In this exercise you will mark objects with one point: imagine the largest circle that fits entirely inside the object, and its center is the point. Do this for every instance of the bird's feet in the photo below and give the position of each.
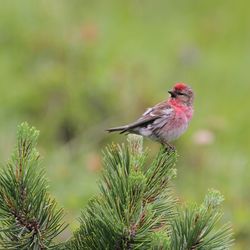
(168, 148)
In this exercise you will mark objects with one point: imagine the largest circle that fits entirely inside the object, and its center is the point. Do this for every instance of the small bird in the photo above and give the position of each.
(167, 120)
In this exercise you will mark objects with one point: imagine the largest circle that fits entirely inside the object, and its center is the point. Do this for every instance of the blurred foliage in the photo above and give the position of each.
(74, 68)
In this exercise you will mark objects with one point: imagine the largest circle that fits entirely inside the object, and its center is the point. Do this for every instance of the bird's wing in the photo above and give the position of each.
(156, 115)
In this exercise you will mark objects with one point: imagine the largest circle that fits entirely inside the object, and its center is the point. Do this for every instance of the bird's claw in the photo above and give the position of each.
(168, 148)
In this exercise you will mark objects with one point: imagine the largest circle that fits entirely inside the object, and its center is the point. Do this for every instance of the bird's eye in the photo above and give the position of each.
(181, 93)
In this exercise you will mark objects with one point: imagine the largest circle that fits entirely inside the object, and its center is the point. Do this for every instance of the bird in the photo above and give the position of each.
(167, 120)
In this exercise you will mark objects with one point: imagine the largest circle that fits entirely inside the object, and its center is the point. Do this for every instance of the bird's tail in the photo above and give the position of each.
(122, 129)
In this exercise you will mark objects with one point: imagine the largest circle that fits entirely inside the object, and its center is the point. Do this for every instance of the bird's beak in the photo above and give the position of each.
(172, 93)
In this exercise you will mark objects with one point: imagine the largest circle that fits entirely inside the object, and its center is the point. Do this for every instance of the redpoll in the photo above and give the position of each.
(167, 120)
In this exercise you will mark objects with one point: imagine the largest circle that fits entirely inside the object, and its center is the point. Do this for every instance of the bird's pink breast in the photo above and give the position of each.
(176, 128)
(178, 124)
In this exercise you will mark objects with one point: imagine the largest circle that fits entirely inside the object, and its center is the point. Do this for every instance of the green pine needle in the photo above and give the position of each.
(29, 216)
(135, 209)
(135, 201)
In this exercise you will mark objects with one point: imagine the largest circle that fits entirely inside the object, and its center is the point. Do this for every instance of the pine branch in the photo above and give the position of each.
(29, 218)
(194, 227)
(134, 210)
(135, 205)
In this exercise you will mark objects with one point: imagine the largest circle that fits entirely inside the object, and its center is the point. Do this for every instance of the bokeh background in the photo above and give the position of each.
(74, 68)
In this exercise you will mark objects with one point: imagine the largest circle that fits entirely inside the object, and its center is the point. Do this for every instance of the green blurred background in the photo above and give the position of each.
(74, 68)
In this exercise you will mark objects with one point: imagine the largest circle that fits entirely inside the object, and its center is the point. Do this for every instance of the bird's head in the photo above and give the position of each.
(182, 93)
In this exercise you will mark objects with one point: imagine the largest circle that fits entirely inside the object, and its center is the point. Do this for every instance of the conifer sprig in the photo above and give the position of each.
(196, 227)
(135, 209)
(135, 203)
(29, 216)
